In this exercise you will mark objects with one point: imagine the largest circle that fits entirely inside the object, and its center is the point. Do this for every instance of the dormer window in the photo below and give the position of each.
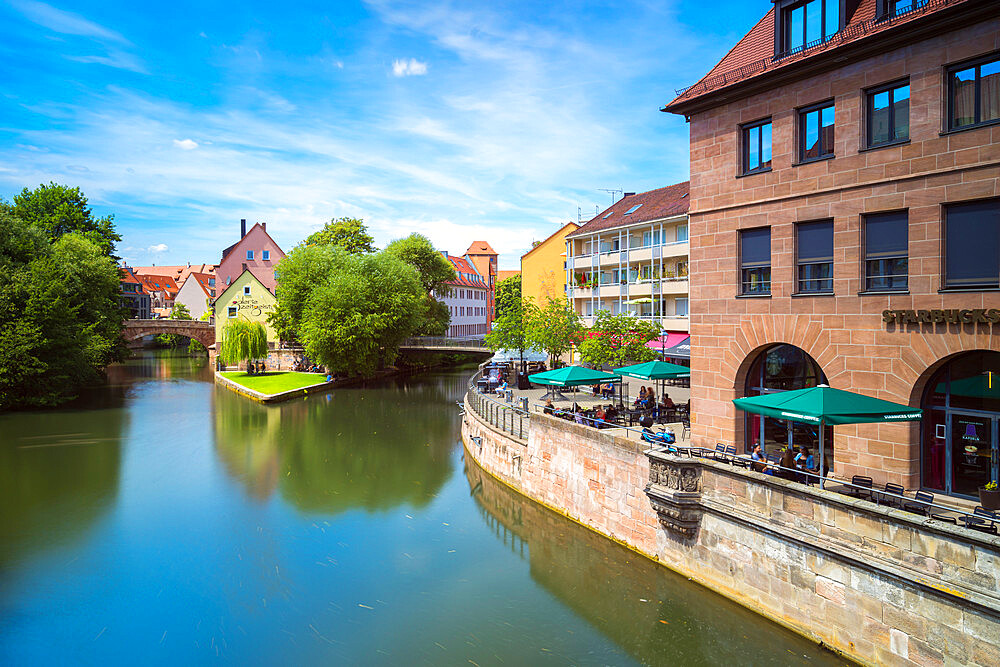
(889, 8)
(805, 23)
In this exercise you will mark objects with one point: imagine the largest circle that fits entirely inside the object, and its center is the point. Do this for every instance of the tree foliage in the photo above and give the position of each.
(243, 340)
(60, 315)
(553, 328)
(58, 210)
(349, 234)
(508, 295)
(180, 312)
(510, 331)
(617, 340)
(435, 272)
(356, 316)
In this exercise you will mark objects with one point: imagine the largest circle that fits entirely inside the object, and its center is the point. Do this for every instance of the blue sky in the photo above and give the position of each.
(460, 120)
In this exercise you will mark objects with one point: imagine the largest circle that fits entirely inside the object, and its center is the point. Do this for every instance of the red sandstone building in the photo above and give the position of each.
(845, 228)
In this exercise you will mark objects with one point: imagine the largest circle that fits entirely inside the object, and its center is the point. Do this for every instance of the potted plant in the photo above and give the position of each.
(989, 496)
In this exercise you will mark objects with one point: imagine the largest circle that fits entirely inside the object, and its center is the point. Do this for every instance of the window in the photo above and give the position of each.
(211, 282)
(682, 233)
(755, 261)
(229, 279)
(246, 290)
(757, 147)
(265, 255)
(232, 311)
(651, 238)
(889, 114)
(249, 254)
(889, 8)
(816, 132)
(815, 252)
(806, 23)
(974, 93)
(886, 252)
(681, 307)
(972, 245)
(632, 210)
(211, 292)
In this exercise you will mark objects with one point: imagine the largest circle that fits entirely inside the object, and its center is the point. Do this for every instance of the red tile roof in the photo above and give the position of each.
(154, 283)
(480, 248)
(202, 280)
(130, 277)
(653, 205)
(504, 275)
(753, 56)
(464, 266)
(178, 273)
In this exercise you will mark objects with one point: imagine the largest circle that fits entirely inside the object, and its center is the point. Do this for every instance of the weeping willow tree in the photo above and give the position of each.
(243, 340)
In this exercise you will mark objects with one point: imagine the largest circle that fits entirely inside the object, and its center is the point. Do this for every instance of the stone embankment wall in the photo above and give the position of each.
(880, 585)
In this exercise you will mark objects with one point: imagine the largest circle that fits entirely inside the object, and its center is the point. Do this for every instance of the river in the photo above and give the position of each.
(164, 520)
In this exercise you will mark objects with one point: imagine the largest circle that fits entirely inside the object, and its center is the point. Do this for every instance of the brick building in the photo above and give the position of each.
(484, 258)
(845, 228)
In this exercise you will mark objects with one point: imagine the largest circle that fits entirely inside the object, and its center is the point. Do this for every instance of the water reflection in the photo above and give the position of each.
(653, 614)
(371, 448)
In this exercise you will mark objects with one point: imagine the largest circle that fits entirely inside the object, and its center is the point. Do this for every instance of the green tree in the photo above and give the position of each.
(435, 273)
(60, 316)
(356, 316)
(301, 271)
(510, 331)
(243, 340)
(58, 210)
(508, 294)
(617, 340)
(351, 234)
(180, 312)
(553, 328)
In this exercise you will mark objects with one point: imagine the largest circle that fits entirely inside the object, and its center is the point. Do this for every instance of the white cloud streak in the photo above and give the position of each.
(411, 67)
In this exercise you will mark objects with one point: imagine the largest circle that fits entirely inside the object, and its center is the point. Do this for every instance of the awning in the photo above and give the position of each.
(667, 340)
(681, 350)
(572, 376)
(653, 370)
(827, 405)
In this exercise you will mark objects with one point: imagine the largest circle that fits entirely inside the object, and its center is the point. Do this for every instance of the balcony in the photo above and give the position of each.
(679, 285)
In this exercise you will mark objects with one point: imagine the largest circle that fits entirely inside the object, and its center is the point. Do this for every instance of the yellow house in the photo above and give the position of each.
(246, 298)
(543, 273)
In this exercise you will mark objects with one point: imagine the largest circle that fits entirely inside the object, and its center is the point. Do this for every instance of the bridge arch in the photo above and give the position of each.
(203, 332)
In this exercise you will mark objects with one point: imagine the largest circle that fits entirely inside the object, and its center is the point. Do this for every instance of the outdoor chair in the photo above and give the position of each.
(884, 499)
(720, 453)
(922, 504)
(732, 458)
(982, 520)
(862, 481)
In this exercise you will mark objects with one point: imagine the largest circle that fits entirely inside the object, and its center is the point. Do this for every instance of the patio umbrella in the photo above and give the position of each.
(572, 376)
(653, 370)
(824, 405)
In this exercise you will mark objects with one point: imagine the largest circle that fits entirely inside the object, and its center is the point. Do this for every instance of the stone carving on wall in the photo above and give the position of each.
(674, 491)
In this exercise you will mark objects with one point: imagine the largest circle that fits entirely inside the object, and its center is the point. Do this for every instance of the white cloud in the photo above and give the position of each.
(64, 22)
(186, 144)
(158, 248)
(411, 67)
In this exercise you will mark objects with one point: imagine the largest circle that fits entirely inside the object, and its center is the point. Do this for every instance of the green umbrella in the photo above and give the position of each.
(824, 405)
(571, 376)
(653, 370)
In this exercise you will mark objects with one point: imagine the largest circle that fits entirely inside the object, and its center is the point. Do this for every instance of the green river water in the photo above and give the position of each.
(164, 520)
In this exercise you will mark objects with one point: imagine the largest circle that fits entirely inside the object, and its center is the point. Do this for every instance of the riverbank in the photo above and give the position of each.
(875, 584)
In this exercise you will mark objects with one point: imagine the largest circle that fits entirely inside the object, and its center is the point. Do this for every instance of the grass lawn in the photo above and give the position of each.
(274, 382)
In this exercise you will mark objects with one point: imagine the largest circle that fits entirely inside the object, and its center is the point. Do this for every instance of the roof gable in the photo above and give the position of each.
(480, 248)
(242, 241)
(552, 236)
(645, 207)
(232, 285)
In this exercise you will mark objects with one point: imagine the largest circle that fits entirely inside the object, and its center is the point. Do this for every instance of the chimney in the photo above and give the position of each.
(243, 227)
(263, 226)
(629, 194)
(244, 266)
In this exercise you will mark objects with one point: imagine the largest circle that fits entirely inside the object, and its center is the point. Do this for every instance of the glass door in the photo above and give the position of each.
(973, 451)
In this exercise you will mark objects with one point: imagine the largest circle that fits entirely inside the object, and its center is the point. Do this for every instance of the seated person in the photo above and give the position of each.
(787, 462)
(804, 460)
(666, 401)
(549, 408)
(650, 401)
(610, 414)
(608, 390)
(502, 389)
(758, 462)
(641, 398)
(595, 390)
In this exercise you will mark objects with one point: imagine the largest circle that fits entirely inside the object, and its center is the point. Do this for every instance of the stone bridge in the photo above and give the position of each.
(203, 332)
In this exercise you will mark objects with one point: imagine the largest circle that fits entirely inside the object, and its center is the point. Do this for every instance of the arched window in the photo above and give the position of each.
(958, 449)
(783, 368)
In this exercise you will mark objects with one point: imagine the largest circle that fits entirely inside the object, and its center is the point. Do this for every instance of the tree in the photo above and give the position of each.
(508, 294)
(553, 328)
(243, 340)
(617, 340)
(435, 273)
(510, 332)
(301, 271)
(351, 234)
(357, 315)
(180, 312)
(58, 210)
(60, 315)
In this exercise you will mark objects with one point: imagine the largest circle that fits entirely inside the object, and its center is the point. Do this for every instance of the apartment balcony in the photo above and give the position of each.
(676, 249)
(677, 286)
(614, 258)
(612, 290)
(583, 262)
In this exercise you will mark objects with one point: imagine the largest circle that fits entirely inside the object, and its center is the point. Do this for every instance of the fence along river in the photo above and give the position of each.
(165, 519)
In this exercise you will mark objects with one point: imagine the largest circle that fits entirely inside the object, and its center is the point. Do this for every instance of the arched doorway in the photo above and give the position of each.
(783, 368)
(959, 440)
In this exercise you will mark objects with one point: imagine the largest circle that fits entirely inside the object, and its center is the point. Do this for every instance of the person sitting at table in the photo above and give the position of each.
(610, 414)
(650, 401)
(758, 462)
(502, 389)
(805, 460)
(642, 397)
(549, 408)
(607, 390)
(596, 389)
(787, 464)
(666, 401)
(601, 414)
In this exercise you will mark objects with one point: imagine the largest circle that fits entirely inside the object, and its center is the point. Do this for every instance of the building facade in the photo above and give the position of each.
(133, 297)
(633, 258)
(256, 252)
(246, 298)
(197, 294)
(543, 268)
(845, 229)
(484, 258)
(162, 291)
(467, 302)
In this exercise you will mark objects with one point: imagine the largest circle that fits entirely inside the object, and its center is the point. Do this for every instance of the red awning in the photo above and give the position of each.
(668, 341)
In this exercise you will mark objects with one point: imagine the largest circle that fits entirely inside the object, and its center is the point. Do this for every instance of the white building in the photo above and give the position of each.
(467, 303)
(633, 257)
(197, 293)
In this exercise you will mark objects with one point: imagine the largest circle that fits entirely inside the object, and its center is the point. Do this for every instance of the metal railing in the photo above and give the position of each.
(501, 415)
(444, 341)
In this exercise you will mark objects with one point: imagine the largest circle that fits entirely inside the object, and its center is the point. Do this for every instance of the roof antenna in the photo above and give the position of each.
(612, 193)
(579, 215)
